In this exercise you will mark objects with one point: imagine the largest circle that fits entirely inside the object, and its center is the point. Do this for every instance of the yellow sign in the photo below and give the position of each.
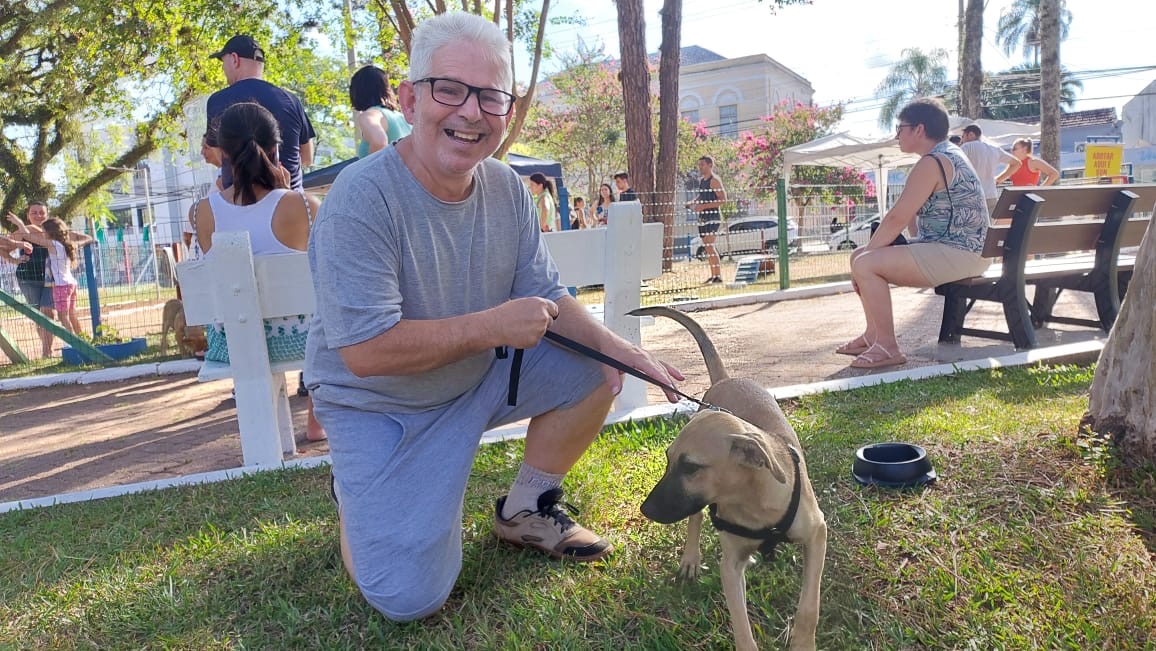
(1103, 160)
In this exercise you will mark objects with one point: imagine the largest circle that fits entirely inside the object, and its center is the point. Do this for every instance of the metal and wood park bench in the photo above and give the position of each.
(1055, 238)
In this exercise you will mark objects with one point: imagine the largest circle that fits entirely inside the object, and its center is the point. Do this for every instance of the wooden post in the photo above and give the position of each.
(623, 279)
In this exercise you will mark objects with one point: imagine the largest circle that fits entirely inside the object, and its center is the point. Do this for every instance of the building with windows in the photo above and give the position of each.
(730, 95)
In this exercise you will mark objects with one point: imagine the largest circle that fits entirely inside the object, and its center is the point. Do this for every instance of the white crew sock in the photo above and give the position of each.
(530, 483)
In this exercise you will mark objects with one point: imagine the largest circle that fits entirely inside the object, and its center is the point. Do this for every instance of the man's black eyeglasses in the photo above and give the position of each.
(452, 92)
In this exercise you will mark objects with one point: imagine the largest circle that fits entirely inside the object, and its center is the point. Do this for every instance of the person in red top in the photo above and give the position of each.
(1033, 171)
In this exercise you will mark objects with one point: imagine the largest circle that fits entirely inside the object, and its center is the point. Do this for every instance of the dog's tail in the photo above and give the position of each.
(714, 364)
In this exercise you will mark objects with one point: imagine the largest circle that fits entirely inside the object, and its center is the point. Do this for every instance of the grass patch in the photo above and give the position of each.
(1030, 539)
(44, 366)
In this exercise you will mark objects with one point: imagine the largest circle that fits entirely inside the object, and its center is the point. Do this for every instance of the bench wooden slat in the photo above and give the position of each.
(1073, 200)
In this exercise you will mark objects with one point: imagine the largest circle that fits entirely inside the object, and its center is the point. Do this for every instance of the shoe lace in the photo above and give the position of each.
(550, 505)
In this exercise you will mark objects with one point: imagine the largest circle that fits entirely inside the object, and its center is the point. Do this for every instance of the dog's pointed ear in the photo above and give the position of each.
(749, 451)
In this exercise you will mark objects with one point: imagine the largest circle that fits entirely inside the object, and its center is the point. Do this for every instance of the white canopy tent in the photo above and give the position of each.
(846, 150)
(882, 154)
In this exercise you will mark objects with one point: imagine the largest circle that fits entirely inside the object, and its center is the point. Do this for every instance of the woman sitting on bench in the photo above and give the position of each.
(277, 219)
(943, 202)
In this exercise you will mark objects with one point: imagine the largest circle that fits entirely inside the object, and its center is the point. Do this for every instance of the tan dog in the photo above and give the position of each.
(190, 339)
(747, 465)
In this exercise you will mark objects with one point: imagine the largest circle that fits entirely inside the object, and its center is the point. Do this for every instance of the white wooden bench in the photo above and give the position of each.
(238, 290)
(233, 288)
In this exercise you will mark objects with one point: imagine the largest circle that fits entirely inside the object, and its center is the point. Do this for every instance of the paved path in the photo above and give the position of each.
(76, 437)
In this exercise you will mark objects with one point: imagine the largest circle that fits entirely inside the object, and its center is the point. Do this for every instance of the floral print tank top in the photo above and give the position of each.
(956, 216)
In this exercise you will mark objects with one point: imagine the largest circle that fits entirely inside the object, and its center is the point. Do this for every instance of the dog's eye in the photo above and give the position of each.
(689, 467)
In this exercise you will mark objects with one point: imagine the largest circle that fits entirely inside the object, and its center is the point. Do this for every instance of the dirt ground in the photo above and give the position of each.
(76, 437)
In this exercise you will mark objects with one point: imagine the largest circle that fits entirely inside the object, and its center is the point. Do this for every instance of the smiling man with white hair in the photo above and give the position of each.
(427, 257)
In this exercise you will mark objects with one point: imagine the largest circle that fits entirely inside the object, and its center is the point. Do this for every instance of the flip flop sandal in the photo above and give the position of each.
(853, 350)
(869, 360)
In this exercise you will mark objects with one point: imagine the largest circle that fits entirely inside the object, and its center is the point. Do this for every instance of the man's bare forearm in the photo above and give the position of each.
(416, 346)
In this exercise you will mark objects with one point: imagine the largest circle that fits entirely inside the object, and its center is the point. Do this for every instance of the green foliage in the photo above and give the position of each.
(132, 61)
(322, 84)
(1019, 27)
(106, 334)
(916, 74)
(1022, 544)
(578, 122)
(759, 157)
(1015, 93)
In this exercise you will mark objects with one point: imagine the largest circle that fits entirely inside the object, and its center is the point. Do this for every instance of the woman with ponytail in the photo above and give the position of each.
(542, 189)
(277, 219)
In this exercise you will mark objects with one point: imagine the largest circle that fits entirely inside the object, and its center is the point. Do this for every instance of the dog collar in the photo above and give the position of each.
(774, 534)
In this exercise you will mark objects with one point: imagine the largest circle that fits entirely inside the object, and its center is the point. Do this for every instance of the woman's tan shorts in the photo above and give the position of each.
(943, 264)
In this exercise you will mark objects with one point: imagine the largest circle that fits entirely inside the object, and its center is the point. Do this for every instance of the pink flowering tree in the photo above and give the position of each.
(759, 155)
(577, 121)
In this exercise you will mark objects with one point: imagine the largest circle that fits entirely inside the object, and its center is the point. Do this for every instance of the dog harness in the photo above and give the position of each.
(774, 534)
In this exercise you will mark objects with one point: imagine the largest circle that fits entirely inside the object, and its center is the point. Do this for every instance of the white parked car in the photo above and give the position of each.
(853, 235)
(745, 235)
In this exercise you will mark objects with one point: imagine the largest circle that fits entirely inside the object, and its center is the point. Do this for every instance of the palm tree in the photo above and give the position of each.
(916, 74)
(1019, 27)
(1015, 93)
(1051, 32)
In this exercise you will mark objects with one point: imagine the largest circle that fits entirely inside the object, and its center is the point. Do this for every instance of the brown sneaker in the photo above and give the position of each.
(550, 530)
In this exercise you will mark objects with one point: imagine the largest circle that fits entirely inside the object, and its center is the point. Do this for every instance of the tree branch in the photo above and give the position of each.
(522, 105)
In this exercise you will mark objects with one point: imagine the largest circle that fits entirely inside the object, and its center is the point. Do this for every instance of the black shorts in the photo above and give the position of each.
(708, 228)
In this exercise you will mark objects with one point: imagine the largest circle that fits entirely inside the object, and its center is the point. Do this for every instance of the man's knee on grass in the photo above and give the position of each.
(414, 602)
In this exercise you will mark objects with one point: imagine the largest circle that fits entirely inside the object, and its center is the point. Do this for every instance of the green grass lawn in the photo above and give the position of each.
(45, 366)
(1035, 537)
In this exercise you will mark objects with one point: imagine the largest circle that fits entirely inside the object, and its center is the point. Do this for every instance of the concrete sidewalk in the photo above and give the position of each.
(76, 437)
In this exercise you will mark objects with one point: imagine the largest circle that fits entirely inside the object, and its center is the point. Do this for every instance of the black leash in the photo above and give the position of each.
(598, 356)
(772, 535)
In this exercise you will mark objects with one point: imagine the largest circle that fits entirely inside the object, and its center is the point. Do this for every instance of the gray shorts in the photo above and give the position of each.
(37, 294)
(401, 478)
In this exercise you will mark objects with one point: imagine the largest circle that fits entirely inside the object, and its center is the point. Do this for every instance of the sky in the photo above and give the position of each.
(845, 47)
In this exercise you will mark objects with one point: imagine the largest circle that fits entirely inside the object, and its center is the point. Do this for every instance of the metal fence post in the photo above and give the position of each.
(784, 245)
(93, 293)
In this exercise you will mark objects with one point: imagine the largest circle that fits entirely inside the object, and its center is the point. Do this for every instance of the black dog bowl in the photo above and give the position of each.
(892, 465)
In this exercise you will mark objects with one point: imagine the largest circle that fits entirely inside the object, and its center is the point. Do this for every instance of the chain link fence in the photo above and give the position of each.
(125, 284)
(121, 286)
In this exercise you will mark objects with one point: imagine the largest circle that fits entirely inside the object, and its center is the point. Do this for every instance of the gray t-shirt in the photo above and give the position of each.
(383, 249)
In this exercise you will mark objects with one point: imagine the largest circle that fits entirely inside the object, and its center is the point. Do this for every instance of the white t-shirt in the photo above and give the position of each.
(985, 158)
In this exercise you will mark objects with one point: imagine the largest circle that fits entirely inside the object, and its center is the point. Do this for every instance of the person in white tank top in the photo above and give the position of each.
(277, 219)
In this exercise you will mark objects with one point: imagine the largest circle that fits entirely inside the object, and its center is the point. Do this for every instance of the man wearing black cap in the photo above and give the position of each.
(243, 61)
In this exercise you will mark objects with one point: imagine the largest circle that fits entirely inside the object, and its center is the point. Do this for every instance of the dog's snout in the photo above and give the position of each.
(668, 503)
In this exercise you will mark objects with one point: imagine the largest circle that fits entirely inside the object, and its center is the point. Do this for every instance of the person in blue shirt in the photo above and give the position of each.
(243, 62)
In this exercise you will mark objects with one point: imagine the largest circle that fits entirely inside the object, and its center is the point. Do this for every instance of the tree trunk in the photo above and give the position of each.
(666, 167)
(1123, 396)
(1050, 81)
(971, 69)
(635, 74)
(961, 29)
